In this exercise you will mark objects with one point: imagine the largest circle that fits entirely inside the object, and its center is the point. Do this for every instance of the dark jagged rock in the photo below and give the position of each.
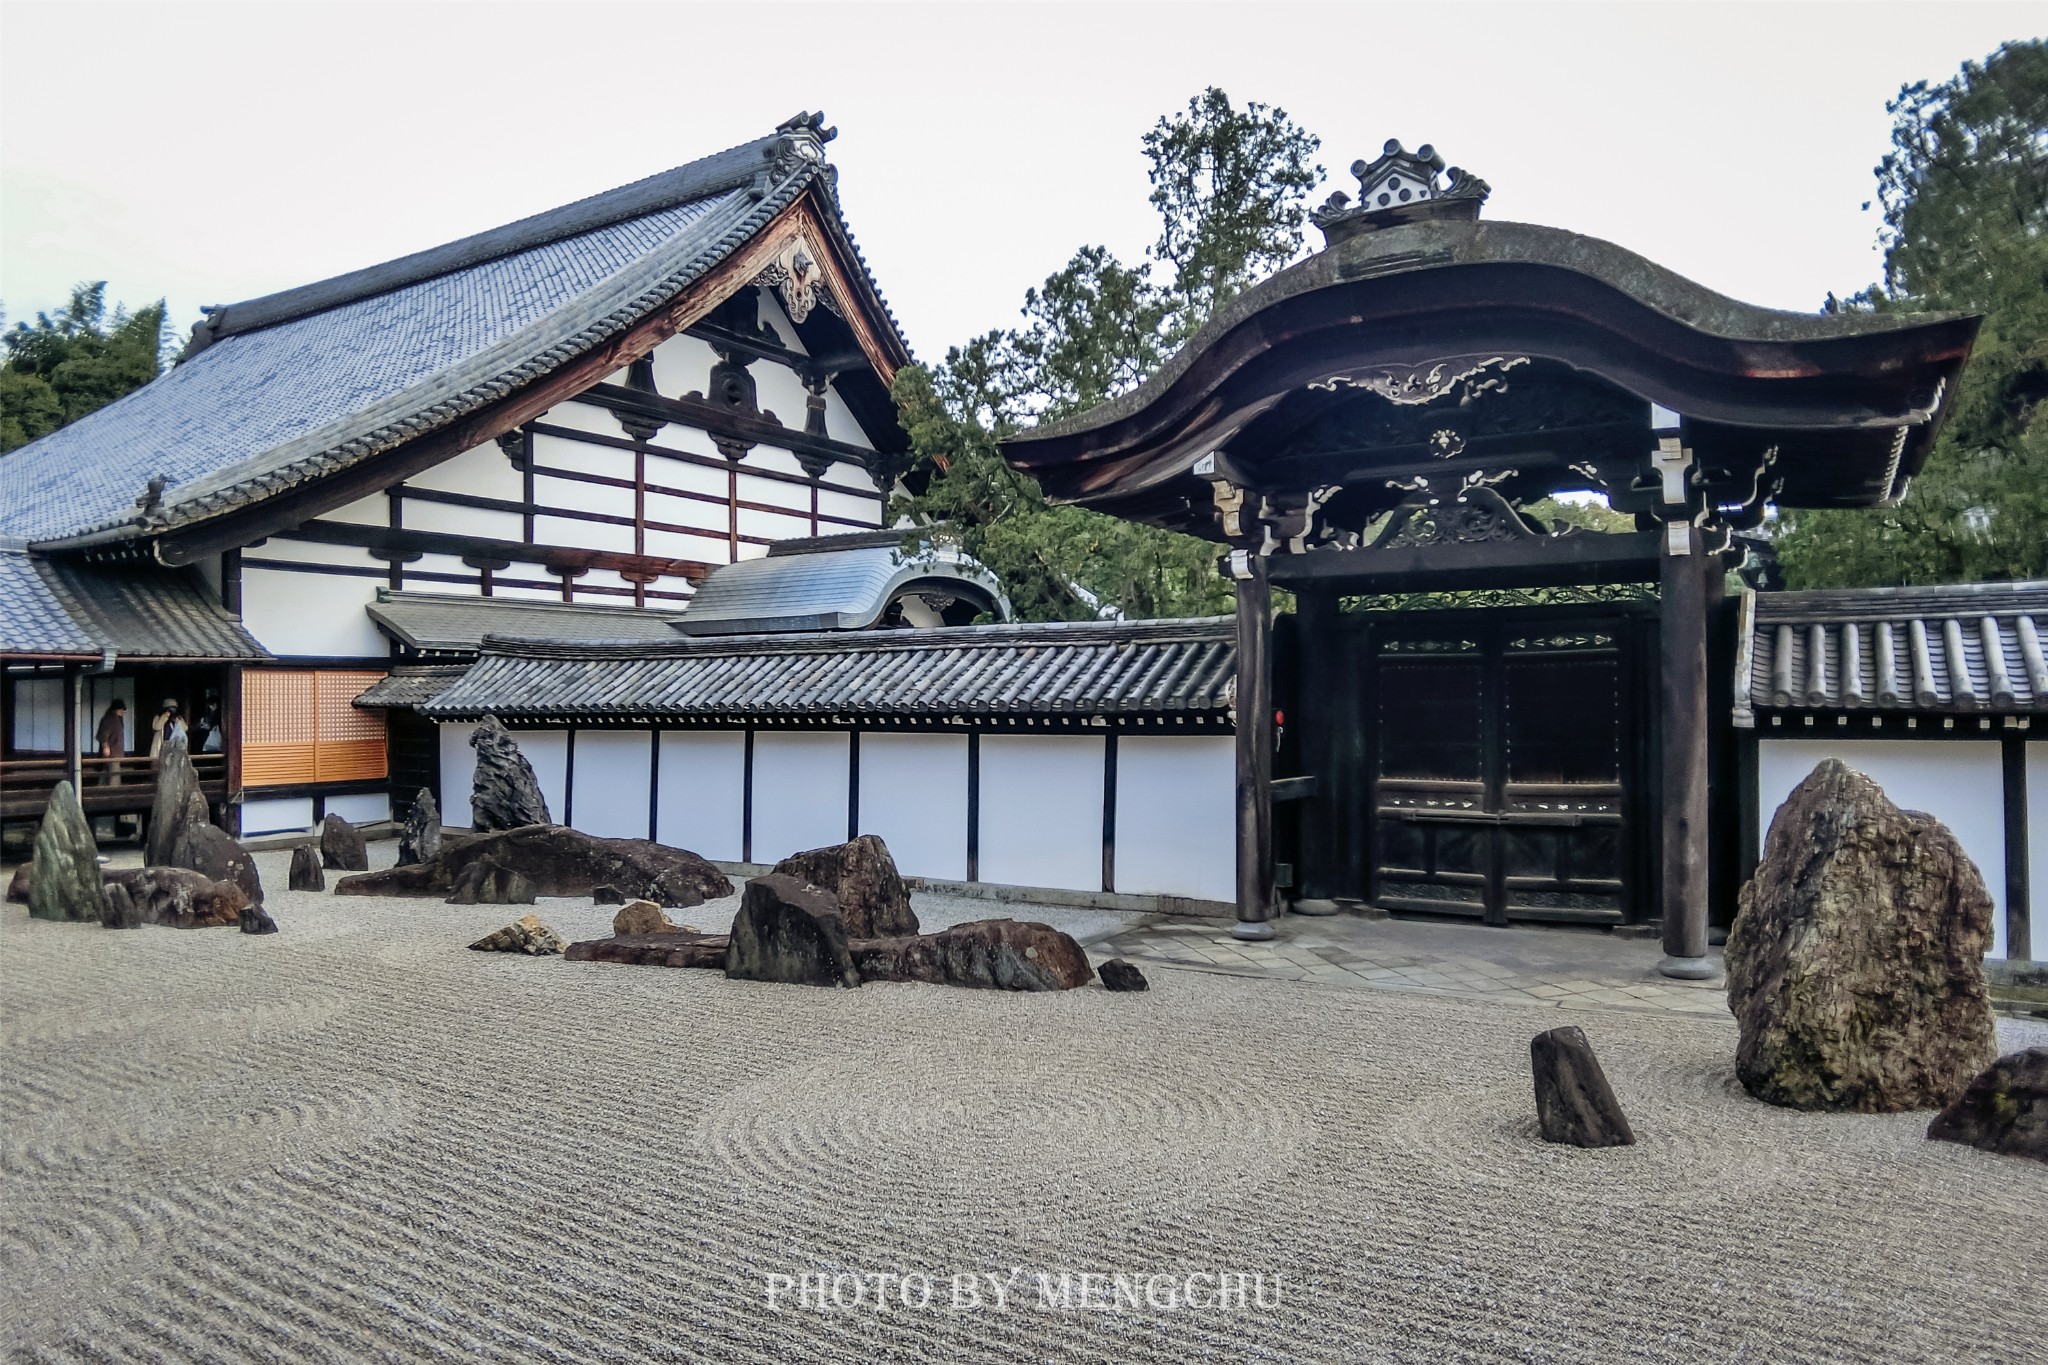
(607, 895)
(1855, 964)
(306, 874)
(419, 839)
(993, 954)
(790, 932)
(208, 849)
(66, 883)
(121, 911)
(176, 784)
(505, 793)
(1119, 975)
(342, 847)
(488, 883)
(559, 862)
(18, 884)
(524, 935)
(181, 898)
(861, 875)
(680, 948)
(1574, 1102)
(257, 920)
(2004, 1110)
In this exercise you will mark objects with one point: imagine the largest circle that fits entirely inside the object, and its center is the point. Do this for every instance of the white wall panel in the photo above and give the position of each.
(463, 521)
(582, 535)
(707, 548)
(774, 493)
(682, 364)
(775, 460)
(458, 774)
(574, 495)
(311, 614)
(39, 715)
(710, 516)
(779, 391)
(1041, 811)
(483, 471)
(374, 510)
(676, 436)
(548, 752)
(693, 478)
(867, 511)
(2037, 844)
(283, 547)
(361, 808)
(580, 417)
(614, 769)
(277, 815)
(584, 457)
(913, 793)
(500, 588)
(771, 527)
(1176, 815)
(1960, 782)
(800, 792)
(703, 788)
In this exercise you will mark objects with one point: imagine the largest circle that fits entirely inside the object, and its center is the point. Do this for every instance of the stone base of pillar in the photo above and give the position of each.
(1315, 906)
(1689, 968)
(1252, 931)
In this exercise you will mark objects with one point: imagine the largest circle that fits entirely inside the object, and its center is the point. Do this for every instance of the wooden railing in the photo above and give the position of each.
(109, 784)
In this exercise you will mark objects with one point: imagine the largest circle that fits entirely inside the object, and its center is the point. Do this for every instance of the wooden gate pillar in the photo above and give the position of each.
(1682, 620)
(1254, 746)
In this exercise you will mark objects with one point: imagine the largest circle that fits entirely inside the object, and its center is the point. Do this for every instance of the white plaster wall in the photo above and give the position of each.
(2037, 844)
(613, 772)
(276, 815)
(585, 535)
(311, 614)
(913, 793)
(548, 753)
(682, 364)
(464, 521)
(1176, 804)
(1960, 782)
(800, 791)
(373, 510)
(1041, 811)
(576, 417)
(361, 808)
(703, 788)
(867, 511)
(483, 471)
(458, 774)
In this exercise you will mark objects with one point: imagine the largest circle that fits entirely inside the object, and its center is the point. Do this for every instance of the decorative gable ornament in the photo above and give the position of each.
(799, 279)
(1401, 187)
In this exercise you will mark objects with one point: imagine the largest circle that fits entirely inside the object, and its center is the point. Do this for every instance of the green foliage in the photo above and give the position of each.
(1230, 186)
(1965, 199)
(74, 361)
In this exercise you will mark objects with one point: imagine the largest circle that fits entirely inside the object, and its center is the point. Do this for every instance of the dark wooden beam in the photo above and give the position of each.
(1540, 561)
(2019, 937)
(382, 540)
(737, 426)
(1682, 825)
(1254, 752)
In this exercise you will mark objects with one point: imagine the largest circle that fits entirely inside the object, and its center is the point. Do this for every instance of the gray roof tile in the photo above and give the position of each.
(446, 624)
(60, 606)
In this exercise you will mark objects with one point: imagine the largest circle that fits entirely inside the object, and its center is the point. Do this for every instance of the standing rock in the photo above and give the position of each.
(180, 897)
(205, 848)
(176, 784)
(993, 954)
(257, 920)
(342, 847)
(18, 884)
(505, 794)
(1574, 1102)
(121, 911)
(861, 875)
(524, 935)
(788, 931)
(66, 883)
(419, 839)
(2005, 1110)
(1119, 975)
(306, 874)
(642, 917)
(488, 883)
(1855, 964)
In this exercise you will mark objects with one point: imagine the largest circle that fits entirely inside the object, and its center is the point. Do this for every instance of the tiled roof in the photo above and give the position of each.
(59, 606)
(435, 623)
(288, 388)
(411, 684)
(1076, 670)
(1975, 649)
(825, 588)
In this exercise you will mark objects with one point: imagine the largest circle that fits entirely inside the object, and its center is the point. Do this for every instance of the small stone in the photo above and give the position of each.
(66, 884)
(2004, 1110)
(18, 884)
(1574, 1102)
(991, 954)
(257, 920)
(1119, 975)
(642, 917)
(121, 911)
(177, 782)
(505, 794)
(342, 847)
(419, 838)
(306, 874)
(862, 877)
(607, 894)
(524, 935)
(790, 932)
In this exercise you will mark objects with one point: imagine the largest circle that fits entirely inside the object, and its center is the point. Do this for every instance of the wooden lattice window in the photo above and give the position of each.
(301, 726)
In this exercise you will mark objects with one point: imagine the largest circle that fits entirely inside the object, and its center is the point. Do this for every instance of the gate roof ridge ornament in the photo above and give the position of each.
(1400, 186)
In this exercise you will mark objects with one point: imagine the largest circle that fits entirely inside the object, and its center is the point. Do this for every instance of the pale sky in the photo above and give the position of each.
(214, 152)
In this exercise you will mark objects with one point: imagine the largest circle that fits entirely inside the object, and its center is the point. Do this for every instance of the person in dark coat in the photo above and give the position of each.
(112, 741)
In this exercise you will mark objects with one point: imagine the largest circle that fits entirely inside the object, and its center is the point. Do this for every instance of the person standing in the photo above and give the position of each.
(164, 726)
(112, 739)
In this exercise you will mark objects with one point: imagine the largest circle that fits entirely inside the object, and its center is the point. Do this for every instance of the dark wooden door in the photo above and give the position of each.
(1501, 768)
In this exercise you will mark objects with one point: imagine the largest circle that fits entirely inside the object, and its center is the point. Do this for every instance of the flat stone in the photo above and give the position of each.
(419, 838)
(342, 847)
(862, 877)
(504, 794)
(990, 954)
(66, 883)
(559, 862)
(1574, 1102)
(1119, 975)
(642, 917)
(177, 782)
(790, 932)
(524, 935)
(678, 948)
(257, 920)
(2004, 1110)
(488, 883)
(180, 898)
(305, 874)
(1855, 964)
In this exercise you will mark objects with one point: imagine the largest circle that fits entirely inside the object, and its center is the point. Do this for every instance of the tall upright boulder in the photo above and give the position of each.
(1855, 964)
(505, 793)
(419, 839)
(790, 932)
(177, 782)
(204, 847)
(342, 846)
(66, 883)
(862, 876)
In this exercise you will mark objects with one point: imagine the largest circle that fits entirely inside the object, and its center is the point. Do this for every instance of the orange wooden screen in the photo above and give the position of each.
(301, 726)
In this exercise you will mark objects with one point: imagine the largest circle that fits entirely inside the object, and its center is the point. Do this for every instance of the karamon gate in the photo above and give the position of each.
(1373, 421)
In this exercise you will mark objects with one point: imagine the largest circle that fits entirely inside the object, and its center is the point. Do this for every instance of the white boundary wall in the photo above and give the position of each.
(701, 801)
(612, 772)
(1041, 811)
(913, 793)
(2037, 844)
(1176, 813)
(800, 795)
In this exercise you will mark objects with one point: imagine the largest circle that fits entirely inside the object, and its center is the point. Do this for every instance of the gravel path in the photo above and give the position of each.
(356, 1140)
